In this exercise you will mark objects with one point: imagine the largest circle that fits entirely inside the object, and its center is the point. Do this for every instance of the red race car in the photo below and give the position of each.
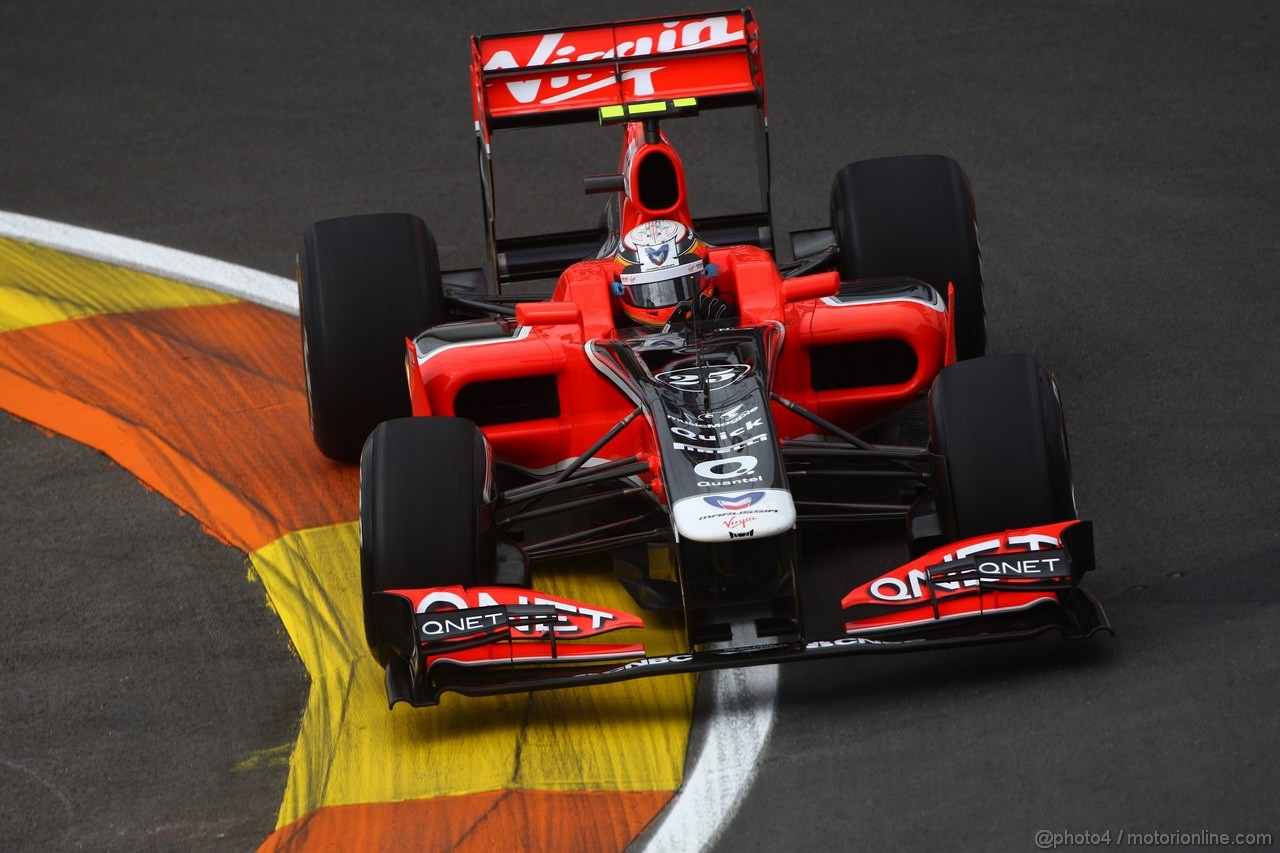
(680, 399)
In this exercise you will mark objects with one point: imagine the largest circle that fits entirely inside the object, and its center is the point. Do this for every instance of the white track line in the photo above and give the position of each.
(263, 288)
(715, 785)
(742, 717)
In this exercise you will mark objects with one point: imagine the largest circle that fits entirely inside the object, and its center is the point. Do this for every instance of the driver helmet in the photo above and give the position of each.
(661, 263)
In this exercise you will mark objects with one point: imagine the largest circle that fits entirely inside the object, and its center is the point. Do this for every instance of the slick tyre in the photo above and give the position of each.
(365, 283)
(913, 216)
(426, 491)
(996, 422)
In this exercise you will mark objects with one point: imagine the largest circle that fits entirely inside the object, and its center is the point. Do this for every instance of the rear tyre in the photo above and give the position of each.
(997, 424)
(426, 492)
(913, 216)
(365, 283)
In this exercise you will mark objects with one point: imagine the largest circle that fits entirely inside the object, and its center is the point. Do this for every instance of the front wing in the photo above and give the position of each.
(506, 640)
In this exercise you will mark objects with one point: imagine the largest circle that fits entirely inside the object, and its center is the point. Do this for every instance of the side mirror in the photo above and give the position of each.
(603, 184)
(805, 287)
(548, 314)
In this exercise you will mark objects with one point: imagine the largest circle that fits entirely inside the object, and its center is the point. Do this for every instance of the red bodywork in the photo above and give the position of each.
(549, 336)
(590, 404)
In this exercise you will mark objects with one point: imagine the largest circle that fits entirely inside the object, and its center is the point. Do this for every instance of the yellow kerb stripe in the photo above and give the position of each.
(40, 286)
(616, 737)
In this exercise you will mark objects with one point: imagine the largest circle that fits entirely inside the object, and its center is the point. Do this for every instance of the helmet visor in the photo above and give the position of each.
(662, 294)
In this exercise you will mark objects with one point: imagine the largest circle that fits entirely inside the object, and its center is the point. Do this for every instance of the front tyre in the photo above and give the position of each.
(426, 498)
(997, 424)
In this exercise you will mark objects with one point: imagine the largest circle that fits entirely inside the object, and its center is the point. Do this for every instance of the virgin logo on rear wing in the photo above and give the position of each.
(619, 63)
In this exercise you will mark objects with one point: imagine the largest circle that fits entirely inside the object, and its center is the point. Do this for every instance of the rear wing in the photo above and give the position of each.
(567, 75)
(556, 77)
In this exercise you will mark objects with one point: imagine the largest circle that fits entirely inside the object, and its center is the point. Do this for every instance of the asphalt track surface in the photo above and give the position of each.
(1122, 156)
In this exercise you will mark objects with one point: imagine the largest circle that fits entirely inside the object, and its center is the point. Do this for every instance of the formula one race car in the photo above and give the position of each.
(680, 399)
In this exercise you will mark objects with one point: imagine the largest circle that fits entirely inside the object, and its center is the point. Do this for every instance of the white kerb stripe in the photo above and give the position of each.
(263, 288)
(720, 776)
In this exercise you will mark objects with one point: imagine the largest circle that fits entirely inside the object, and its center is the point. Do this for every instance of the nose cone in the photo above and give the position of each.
(723, 517)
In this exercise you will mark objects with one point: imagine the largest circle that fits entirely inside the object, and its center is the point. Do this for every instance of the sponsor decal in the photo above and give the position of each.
(723, 435)
(705, 375)
(715, 420)
(914, 586)
(653, 662)
(729, 448)
(457, 609)
(730, 430)
(755, 515)
(738, 482)
(1034, 554)
(726, 469)
(1012, 566)
(734, 501)
(590, 45)
(436, 598)
(894, 589)
(843, 641)
(748, 650)
(734, 471)
(442, 624)
(599, 618)
(700, 518)
(657, 255)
